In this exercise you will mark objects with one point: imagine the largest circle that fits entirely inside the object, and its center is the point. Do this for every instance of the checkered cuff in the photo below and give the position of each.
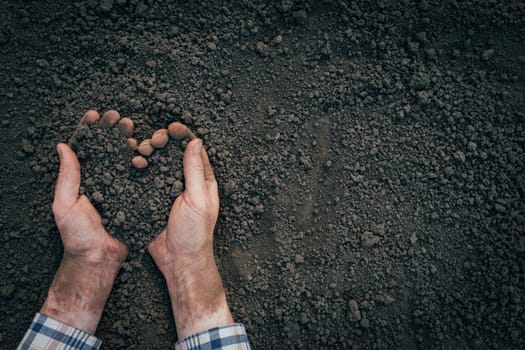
(229, 337)
(46, 333)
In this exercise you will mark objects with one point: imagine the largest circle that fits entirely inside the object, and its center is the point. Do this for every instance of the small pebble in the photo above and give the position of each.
(120, 218)
(139, 162)
(354, 309)
(229, 187)
(97, 196)
(378, 229)
(133, 143)
(109, 119)
(145, 148)
(499, 208)
(368, 239)
(262, 48)
(460, 156)
(177, 187)
(126, 126)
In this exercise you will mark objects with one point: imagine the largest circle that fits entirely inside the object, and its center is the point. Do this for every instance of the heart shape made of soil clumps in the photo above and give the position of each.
(132, 184)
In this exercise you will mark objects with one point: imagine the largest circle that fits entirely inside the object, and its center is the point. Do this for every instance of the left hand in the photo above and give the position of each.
(91, 258)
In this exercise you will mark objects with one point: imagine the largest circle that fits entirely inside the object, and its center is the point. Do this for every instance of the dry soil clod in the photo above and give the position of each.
(133, 143)
(109, 119)
(145, 148)
(91, 117)
(160, 138)
(126, 126)
(179, 131)
(139, 162)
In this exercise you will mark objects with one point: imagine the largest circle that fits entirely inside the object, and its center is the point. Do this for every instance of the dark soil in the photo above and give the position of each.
(370, 157)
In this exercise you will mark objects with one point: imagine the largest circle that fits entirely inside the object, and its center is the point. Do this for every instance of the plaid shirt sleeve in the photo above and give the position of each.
(229, 337)
(46, 333)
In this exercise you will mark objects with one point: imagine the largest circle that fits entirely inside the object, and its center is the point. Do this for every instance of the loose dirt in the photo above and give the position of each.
(369, 155)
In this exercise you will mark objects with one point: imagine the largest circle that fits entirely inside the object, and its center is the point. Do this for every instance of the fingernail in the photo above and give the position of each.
(59, 151)
(198, 148)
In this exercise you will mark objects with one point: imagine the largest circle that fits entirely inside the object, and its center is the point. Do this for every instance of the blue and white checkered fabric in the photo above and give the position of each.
(229, 337)
(46, 333)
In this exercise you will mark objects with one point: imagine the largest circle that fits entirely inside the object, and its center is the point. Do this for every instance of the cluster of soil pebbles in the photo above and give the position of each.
(369, 155)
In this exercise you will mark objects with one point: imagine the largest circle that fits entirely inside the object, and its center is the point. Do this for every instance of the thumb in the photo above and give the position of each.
(194, 169)
(68, 182)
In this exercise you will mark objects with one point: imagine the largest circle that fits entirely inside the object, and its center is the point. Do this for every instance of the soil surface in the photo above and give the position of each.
(370, 158)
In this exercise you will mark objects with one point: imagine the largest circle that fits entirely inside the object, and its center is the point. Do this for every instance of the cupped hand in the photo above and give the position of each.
(79, 223)
(91, 257)
(188, 238)
(184, 250)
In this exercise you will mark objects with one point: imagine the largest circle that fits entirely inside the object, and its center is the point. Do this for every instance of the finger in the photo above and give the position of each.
(145, 148)
(91, 117)
(133, 143)
(160, 138)
(109, 119)
(126, 127)
(194, 169)
(179, 131)
(139, 162)
(68, 182)
(208, 170)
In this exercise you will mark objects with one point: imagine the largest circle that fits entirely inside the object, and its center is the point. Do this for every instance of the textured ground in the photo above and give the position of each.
(370, 156)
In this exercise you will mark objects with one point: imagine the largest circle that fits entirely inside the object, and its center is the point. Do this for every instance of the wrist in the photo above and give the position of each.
(197, 297)
(79, 291)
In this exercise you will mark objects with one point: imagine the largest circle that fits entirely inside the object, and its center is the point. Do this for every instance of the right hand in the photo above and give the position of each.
(184, 250)
(188, 238)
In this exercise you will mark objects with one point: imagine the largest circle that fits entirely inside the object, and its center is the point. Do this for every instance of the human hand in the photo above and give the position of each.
(189, 235)
(91, 257)
(184, 250)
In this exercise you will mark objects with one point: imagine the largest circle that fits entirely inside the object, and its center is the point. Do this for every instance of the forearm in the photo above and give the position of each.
(79, 292)
(197, 297)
